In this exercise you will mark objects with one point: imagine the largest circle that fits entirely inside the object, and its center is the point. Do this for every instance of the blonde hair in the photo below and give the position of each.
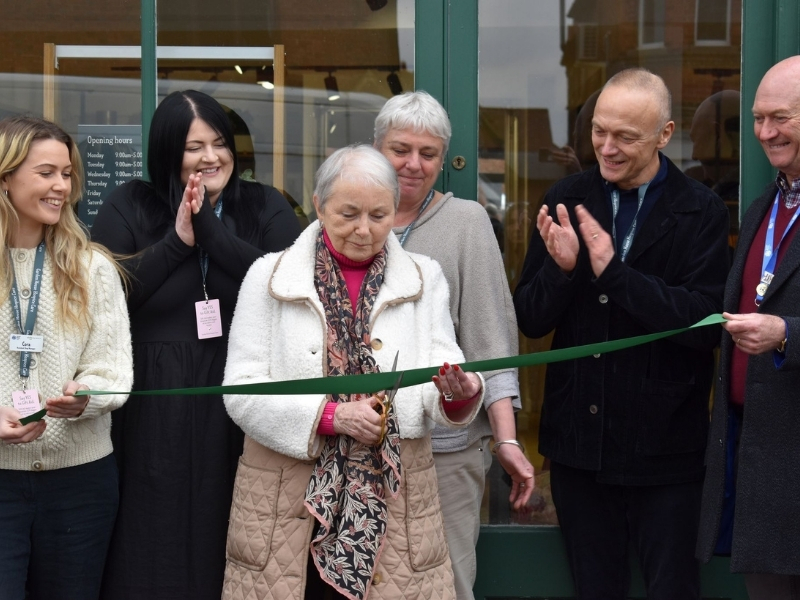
(67, 242)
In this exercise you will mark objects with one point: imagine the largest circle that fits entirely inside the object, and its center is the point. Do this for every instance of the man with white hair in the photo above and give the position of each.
(751, 491)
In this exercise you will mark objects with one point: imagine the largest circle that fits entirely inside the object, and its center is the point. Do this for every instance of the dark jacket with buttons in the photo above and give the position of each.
(766, 534)
(637, 416)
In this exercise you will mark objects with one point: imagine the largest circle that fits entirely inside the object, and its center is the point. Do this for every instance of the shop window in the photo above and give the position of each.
(538, 82)
(46, 70)
(335, 64)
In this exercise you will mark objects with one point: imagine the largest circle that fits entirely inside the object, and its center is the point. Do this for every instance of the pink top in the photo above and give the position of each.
(353, 271)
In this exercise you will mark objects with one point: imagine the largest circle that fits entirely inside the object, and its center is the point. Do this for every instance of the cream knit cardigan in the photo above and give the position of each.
(98, 355)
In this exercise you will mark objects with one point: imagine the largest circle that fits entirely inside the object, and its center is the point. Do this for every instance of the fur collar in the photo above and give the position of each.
(293, 276)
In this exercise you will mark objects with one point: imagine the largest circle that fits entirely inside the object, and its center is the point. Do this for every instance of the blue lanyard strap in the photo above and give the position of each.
(33, 305)
(627, 241)
(203, 255)
(422, 208)
(770, 257)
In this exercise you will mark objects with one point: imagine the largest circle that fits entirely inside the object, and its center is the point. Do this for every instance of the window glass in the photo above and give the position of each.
(55, 62)
(541, 67)
(338, 61)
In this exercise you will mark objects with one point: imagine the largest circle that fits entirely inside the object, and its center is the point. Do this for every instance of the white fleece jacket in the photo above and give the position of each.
(279, 333)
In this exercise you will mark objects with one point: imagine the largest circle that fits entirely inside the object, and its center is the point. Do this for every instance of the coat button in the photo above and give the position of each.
(376, 344)
(37, 465)
(376, 579)
(603, 299)
(21, 256)
(25, 293)
(33, 363)
(596, 355)
(593, 409)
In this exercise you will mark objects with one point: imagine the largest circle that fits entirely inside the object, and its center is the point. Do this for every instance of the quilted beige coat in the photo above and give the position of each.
(270, 530)
(278, 332)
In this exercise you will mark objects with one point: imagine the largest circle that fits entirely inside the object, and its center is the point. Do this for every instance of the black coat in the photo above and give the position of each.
(766, 535)
(177, 455)
(638, 416)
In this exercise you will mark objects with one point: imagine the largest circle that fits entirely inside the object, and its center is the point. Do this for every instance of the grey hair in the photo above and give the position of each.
(359, 163)
(639, 78)
(418, 111)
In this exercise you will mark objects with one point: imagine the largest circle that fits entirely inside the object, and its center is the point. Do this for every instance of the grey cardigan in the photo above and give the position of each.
(459, 236)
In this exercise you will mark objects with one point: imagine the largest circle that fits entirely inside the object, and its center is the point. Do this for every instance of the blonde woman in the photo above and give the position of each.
(64, 327)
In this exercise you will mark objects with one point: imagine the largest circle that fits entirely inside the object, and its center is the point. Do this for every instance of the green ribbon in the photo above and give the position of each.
(374, 382)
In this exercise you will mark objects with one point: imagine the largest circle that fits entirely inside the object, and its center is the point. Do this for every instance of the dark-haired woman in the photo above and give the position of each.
(192, 232)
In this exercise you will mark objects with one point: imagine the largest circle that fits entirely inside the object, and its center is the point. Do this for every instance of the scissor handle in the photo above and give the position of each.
(382, 408)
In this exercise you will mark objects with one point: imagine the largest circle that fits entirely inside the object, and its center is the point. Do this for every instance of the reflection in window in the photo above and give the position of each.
(541, 69)
(341, 61)
(651, 23)
(712, 25)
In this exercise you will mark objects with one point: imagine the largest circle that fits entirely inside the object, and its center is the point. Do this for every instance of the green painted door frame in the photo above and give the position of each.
(446, 66)
(149, 67)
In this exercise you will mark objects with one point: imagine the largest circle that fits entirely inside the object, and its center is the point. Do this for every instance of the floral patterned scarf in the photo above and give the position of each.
(349, 483)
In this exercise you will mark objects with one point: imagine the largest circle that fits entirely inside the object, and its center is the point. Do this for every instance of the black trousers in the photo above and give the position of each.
(55, 527)
(599, 522)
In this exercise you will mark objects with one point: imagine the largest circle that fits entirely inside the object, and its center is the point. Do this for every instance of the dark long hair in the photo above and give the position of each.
(168, 130)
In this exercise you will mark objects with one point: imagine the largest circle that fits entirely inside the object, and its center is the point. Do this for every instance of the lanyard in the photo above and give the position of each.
(422, 208)
(33, 306)
(627, 241)
(771, 251)
(203, 254)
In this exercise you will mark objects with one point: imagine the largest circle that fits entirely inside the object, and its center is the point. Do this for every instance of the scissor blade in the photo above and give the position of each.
(390, 395)
(394, 364)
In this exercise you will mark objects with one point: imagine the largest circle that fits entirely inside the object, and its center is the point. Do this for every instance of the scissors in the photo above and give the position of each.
(388, 398)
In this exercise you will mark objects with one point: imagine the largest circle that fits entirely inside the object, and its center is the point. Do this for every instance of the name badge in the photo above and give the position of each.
(25, 343)
(209, 320)
(26, 402)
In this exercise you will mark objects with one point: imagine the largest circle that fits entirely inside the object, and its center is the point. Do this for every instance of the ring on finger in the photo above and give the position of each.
(448, 396)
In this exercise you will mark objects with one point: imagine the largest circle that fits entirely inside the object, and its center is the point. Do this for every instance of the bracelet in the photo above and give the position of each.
(512, 442)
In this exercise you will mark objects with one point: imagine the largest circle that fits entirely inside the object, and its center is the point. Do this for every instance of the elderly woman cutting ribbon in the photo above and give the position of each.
(343, 300)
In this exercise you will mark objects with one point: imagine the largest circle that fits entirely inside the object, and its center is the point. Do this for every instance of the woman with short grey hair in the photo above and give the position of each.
(336, 494)
(413, 132)
(358, 164)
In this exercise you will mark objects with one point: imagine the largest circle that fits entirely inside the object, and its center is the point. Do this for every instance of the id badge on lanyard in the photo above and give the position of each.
(27, 401)
(207, 312)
